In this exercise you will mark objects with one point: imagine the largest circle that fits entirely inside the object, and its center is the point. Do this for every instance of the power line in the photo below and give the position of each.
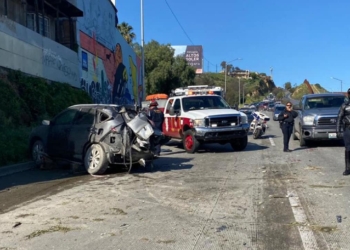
(183, 29)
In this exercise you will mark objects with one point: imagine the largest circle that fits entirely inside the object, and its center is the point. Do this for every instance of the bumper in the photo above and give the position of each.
(221, 134)
(315, 133)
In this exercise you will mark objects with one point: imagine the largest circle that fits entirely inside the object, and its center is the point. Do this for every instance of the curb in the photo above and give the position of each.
(16, 168)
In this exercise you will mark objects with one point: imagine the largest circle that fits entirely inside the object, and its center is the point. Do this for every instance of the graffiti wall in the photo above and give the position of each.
(110, 69)
(25, 50)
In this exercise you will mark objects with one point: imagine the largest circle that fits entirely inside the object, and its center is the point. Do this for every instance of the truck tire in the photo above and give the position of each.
(239, 144)
(95, 160)
(190, 142)
(293, 134)
(302, 142)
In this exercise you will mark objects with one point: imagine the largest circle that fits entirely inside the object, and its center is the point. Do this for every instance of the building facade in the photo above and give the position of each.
(110, 70)
(71, 41)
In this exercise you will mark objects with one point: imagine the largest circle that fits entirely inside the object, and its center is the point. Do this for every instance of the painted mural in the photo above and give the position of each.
(110, 69)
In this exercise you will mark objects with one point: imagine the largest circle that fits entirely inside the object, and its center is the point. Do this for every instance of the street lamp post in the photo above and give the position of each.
(143, 47)
(226, 71)
(239, 92)
(341, 83)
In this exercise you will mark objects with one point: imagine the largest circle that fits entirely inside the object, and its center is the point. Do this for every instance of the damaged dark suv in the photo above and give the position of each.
(95, 135)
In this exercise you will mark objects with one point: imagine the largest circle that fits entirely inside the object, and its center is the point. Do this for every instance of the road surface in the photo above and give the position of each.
(261, 198)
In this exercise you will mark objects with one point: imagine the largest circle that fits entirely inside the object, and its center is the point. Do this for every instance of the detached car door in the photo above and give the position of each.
(79, 135)
(58, 144)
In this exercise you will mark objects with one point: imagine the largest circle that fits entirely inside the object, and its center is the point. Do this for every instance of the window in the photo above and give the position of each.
(66, 117)
(177, 106)
(85, 117)
(31, 23)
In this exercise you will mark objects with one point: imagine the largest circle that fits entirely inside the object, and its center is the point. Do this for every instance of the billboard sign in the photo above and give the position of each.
(193, 55)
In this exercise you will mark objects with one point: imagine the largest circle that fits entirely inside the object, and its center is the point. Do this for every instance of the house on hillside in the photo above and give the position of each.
(38, 38)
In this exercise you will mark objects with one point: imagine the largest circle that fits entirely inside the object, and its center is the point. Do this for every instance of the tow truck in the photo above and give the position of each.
(199, 115)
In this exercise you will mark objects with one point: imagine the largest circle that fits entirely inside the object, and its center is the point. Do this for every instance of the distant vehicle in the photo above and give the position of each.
(278, 109)
(317, 120)
(271, 106)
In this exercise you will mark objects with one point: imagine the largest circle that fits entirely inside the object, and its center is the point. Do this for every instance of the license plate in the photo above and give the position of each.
(332, 135)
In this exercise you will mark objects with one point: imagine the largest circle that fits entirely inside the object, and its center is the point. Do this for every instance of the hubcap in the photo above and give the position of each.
(94, 158)
(189, 142)
(37, 153)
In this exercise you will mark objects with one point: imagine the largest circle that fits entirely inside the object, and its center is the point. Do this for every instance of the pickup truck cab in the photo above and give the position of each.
(198, 119)
(317, 119)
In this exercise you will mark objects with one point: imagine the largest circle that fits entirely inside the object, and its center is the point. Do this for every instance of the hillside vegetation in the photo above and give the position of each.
(24, 102)
(302, 89)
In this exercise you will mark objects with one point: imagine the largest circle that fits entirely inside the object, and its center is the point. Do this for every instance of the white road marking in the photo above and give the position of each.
(272, 142)
(306, 234)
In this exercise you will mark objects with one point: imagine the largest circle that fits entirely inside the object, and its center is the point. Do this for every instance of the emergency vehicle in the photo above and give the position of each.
(160, 98)
(199, 114)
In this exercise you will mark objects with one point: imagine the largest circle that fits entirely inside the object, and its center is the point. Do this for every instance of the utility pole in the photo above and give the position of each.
(239, 91)
(143, 49)
(216, 68)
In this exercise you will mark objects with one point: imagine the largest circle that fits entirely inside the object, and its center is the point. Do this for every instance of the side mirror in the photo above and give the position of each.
(171, 111)
(45, 122)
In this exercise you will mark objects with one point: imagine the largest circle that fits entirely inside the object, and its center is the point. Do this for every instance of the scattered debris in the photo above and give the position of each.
(222, 228)
(24, 215)
(166, 241)
(339, 218)
(52, 229)
(119, 211)
(17, 224)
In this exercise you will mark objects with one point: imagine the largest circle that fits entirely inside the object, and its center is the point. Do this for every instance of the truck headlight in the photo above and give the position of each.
(198, 123)
(309, 120)
(244, 119)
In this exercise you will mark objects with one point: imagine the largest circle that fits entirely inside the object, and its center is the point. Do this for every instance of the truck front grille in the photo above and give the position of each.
(225, 121)
(322, 121)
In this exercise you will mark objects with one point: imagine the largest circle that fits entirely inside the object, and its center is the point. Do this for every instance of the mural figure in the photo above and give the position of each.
(120, 76)
(133, 75)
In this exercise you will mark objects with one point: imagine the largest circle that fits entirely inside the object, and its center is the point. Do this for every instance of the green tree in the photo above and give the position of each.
(126, 31)
(223, 65)
(163, 71)
(287, 85)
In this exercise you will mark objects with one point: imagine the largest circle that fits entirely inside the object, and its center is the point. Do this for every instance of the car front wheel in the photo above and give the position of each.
(239, 144)
(38, 152)
(95, 160)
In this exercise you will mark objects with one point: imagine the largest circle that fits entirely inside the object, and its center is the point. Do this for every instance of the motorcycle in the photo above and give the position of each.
(259, 124)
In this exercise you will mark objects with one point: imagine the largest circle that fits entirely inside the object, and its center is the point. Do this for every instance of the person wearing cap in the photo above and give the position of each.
(286, 118)
(157, 117)
(343, 130)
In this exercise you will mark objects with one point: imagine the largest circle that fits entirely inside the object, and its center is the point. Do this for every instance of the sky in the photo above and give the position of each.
(298, 39)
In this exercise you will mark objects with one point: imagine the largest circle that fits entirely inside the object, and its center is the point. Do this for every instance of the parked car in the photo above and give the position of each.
(318, 114)
(278, 109)
(96, 136)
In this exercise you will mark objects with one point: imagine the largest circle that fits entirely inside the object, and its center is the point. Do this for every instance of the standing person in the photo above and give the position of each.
(343, 126)
(157, 117)
(286, 117)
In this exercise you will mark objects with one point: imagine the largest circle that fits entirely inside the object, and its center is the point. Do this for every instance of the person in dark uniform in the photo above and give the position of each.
(343, 128)
(157, 117)
(286, 117)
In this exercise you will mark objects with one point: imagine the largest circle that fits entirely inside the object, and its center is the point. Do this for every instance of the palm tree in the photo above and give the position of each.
(126, 31)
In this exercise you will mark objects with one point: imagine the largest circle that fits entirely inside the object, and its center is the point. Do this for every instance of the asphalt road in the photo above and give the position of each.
(261, 198)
